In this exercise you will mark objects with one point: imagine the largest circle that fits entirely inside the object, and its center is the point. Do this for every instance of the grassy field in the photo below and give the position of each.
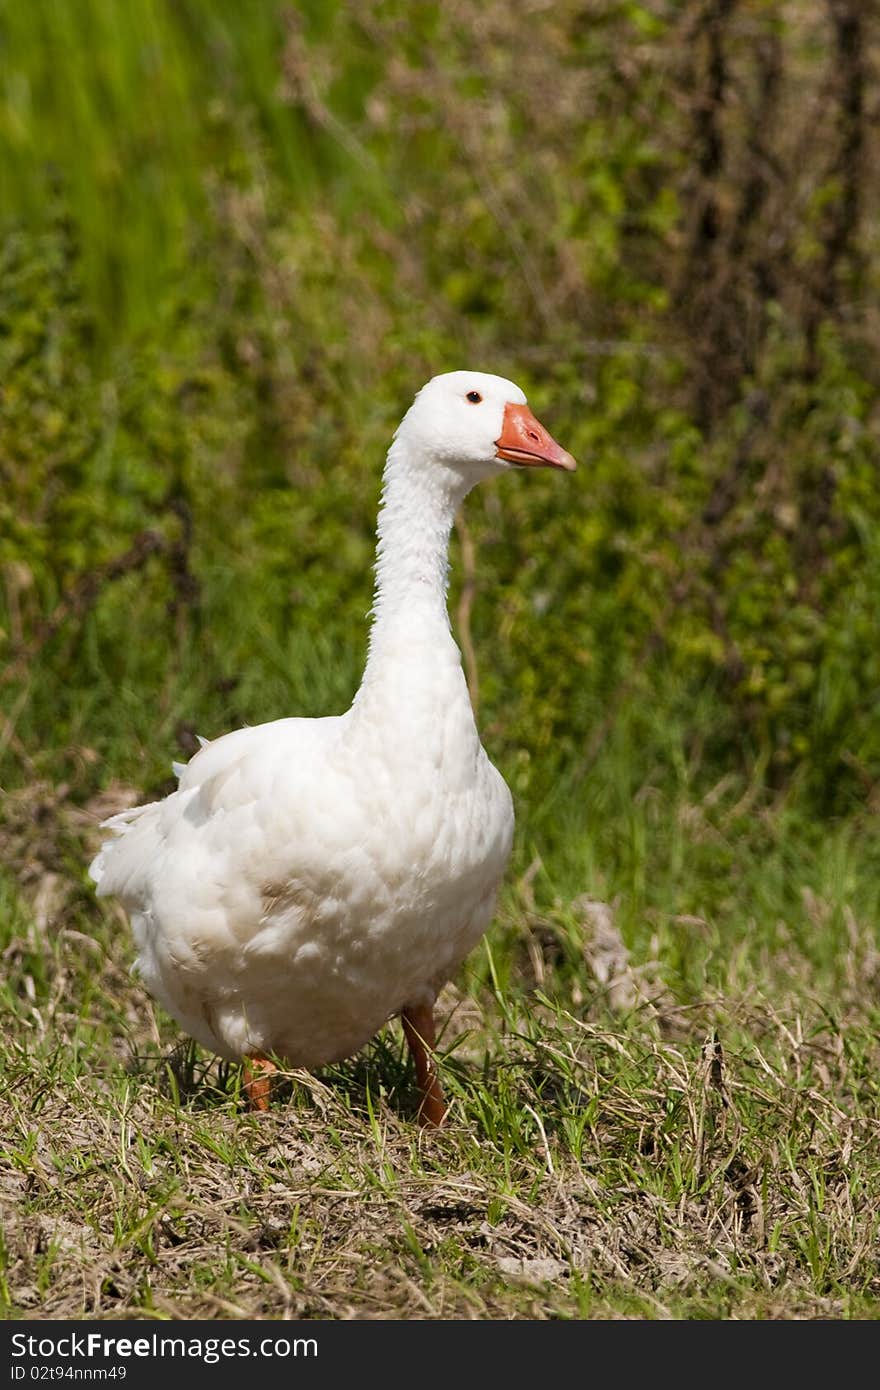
(235, 240)
(687, 1128)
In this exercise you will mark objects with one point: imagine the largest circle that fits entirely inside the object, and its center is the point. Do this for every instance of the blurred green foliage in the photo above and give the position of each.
(237, 238)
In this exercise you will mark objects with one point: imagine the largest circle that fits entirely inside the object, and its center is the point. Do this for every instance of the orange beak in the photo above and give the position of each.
(525, 441)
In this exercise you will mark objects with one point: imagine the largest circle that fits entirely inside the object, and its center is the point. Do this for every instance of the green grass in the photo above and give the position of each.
(129, 106)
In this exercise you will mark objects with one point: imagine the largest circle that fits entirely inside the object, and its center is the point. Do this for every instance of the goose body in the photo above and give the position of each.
(311, 878)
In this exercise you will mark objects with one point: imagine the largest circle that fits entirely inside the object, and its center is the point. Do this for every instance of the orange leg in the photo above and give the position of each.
(418, 1028)
(258, 1081)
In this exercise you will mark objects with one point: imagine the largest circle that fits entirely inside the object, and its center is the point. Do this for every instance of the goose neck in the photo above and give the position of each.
(420, 497)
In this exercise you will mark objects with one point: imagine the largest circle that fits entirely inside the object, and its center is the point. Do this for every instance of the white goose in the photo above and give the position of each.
(311, 878)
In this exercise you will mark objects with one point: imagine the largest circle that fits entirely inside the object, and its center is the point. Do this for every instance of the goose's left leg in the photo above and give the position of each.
(418, 1028)
(258, 1080)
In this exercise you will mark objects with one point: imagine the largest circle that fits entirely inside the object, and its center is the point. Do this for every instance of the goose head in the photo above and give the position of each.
(477, 424)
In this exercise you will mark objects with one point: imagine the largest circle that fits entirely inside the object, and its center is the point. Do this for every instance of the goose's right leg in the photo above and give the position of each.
(418, 1028)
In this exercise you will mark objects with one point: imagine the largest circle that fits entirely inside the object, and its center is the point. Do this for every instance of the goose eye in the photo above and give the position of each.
(474, 397)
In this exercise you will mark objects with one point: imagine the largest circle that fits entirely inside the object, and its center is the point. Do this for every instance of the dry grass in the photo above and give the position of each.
(711, 1157)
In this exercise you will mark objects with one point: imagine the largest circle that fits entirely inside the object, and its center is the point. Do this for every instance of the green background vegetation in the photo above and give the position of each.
(236, 238)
